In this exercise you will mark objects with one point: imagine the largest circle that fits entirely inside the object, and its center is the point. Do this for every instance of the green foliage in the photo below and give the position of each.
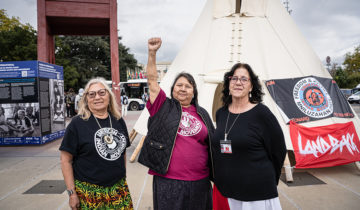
(349, 75)
(352, 61)
(354, 79)
(341, 78)
(6, 22)
(71, 75)
(17, 41)
(82, 57)
(85, 57)
(126, 61)
(352, 67)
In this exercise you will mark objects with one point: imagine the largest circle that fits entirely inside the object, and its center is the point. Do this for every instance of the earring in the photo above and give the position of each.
(250, 95)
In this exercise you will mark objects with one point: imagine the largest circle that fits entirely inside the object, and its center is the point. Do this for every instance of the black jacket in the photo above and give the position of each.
(162, 130)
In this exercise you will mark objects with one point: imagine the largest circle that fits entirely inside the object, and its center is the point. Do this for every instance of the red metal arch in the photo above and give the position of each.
(78, 17)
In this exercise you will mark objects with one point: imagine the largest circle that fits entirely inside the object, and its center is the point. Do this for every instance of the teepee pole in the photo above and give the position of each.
(288, 172)
(137, 149)
(357, 164)
(132, 135)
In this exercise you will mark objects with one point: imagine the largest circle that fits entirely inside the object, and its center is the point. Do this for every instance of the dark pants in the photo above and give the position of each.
(72, 110)
(68, 110)
(172, 194)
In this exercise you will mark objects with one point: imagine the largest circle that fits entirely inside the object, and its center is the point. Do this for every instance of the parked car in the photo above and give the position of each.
(354, 90)
(354, 98)
(346, 92)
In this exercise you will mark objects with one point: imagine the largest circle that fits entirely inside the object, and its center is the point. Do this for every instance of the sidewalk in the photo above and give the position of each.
(22, 167)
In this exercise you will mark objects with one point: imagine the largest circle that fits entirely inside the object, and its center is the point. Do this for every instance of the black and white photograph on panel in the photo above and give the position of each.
(19, 120)
(44, 101)
(57, 105)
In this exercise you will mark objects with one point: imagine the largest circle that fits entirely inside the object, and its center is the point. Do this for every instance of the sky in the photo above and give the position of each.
(331, 27)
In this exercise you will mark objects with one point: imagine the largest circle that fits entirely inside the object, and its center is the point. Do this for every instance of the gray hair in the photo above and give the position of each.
(84, 110)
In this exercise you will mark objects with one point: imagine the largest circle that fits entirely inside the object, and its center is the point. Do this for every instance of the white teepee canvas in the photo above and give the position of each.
(263, 35)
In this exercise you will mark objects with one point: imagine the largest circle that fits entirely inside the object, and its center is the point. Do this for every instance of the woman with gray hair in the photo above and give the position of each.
(93, 152)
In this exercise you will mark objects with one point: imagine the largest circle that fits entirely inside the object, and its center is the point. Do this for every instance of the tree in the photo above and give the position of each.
(352, 61)
(126, 61)
(17, 41)
(352, 67)
(88, 56)
(82, 57)
(341, 78)
(333, 69)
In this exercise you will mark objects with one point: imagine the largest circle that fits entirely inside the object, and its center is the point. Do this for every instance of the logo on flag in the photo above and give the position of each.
(308, 98)
(312, 98)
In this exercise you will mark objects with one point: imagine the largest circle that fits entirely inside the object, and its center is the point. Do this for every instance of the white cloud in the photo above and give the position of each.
(332, 27)
(171, 20)
(26, 10)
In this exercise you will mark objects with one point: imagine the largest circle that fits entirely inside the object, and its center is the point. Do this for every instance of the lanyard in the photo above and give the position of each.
(227, 120)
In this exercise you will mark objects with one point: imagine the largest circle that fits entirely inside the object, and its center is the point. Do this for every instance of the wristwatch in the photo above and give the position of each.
(70, 192)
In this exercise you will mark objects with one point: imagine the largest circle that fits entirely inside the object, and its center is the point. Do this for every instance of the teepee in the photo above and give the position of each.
(258, 32)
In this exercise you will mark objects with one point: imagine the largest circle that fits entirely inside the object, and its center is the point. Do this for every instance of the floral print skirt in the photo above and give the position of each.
(93, 196)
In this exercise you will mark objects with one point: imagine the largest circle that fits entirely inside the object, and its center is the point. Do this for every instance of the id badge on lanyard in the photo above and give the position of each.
(225, 146)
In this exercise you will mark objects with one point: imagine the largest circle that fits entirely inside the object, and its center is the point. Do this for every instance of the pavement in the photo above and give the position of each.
(22, 167)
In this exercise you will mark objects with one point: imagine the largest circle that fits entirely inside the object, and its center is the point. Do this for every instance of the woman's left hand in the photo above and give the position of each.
(74, 201)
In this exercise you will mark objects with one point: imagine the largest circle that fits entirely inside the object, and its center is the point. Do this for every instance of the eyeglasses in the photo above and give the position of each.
(101, 92)
(243, 80)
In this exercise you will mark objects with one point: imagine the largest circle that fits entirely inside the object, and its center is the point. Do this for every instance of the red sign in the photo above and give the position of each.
(325, 146)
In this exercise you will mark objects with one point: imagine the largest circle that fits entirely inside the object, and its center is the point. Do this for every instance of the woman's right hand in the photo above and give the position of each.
(152, 76)
(154, 44)
(74, 201)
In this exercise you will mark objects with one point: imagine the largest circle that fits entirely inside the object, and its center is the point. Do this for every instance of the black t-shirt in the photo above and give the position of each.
(94, 160)
(252, 171)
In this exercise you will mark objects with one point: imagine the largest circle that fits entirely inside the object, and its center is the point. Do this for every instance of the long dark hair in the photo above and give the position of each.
(256, 92)
(191, 80)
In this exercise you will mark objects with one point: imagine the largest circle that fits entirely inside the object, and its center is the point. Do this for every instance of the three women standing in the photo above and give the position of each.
(247, 147)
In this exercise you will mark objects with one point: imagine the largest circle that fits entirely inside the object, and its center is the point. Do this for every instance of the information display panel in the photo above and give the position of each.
(32, 104)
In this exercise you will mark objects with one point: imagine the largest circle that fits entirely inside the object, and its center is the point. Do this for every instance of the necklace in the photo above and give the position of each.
(227, 120)
(107, 138)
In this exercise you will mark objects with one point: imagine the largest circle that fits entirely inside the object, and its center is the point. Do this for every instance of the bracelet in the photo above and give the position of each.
(70, 192)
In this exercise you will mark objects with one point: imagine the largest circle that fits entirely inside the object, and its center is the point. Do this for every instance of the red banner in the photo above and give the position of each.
(325, 146)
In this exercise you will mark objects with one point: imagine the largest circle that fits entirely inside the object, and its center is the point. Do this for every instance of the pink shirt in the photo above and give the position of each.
(189, 160)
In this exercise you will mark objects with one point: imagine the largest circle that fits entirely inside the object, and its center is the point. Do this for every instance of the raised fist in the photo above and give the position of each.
(154, 43)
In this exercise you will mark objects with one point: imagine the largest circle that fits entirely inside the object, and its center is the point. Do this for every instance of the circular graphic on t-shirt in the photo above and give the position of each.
(312, 98)
(109, 143)
(189, 125)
